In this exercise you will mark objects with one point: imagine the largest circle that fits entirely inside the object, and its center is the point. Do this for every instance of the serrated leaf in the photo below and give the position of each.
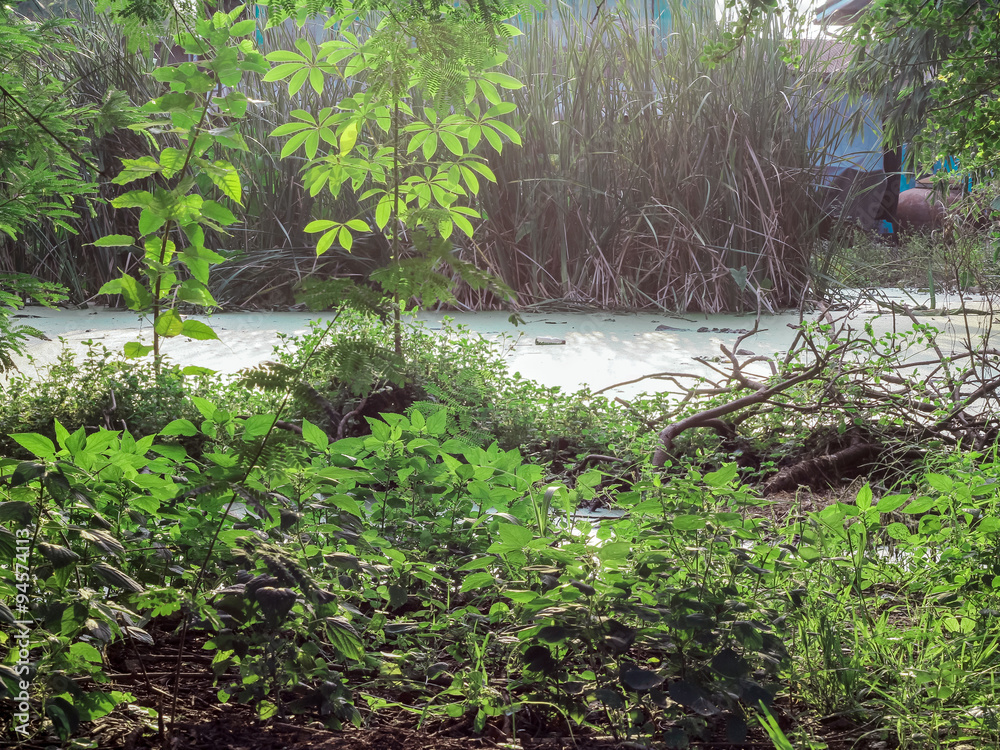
(314, 435)
(275, 603)
(691, 696)
(552, 634)
(138, 634)
(538, 658)
(514, 536)
(86, 651)
(150, 221)
(345, 638)
(168, 324)
(217, 213)
(723, 476)
(34, 443)
(136, 169)
(103, 541)
(227, 179)
(730, 664)
(135, 349)
(16, 510)
(257, 425)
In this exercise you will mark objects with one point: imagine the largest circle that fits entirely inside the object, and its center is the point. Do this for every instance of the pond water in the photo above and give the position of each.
(600, 349)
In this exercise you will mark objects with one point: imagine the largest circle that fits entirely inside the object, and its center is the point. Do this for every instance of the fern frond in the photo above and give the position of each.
(327, 294)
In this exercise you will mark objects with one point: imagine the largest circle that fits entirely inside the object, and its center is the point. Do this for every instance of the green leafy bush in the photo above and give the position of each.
(101, 390)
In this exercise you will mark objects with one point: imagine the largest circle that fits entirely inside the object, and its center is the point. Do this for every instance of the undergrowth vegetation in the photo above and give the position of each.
(382, 523)
(412, 564)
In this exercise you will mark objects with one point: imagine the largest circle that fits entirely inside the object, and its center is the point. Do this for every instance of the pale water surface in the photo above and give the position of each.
(601, 349)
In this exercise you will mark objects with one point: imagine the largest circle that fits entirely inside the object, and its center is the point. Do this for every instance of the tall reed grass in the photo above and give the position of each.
(646, 179)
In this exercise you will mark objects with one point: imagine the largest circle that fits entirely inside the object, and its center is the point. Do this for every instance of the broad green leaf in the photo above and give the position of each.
(150, 221)
(137, 297)
(345, 639)
(243, 28)
(314, 435)
(136, 169)
(437, 422)
(290, 127)
(298, 81)
(285, 56)
(508, 131)
(348, 138)
(940, 482)
(293, 143)
(227, 179)
(503, 80)
(134, 199)
(889, 503)
(320, 225)
(514, 536)
(345, 238)
(326, 241)
(135, 349)
(34, 443)
(58, 555)
(180, 427)
(195, 329)
(217, 213)
(168, 324)
(452, 143)
(86, 652)
(257, 425)
(489, 91)
(636, 678)
(723, 476)
(502, 108)
(383, 211)
(477, 581)
(172, 161)
(194, 292)
(114, 240)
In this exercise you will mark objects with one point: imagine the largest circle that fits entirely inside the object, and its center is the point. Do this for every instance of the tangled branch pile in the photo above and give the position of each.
(846, 400)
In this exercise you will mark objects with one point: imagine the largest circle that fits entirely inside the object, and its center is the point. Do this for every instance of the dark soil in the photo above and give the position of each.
(203, 723)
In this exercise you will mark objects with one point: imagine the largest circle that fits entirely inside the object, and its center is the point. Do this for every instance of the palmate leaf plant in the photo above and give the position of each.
(201, 112)
(406, 143)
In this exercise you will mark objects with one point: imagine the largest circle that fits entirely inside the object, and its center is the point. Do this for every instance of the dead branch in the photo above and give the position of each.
(825, 468)
(712, 417)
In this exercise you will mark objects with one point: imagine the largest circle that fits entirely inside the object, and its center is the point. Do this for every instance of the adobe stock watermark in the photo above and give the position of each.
(22, 634)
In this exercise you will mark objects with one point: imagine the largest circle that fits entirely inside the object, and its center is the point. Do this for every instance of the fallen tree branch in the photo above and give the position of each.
(712, 417)
(822, 468)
